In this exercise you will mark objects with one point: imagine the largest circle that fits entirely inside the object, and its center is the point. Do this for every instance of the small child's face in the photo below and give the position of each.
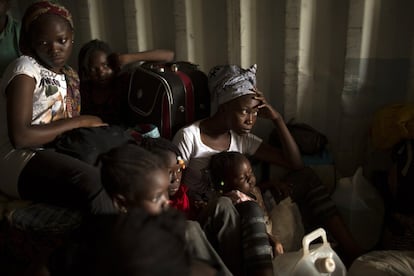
(175, 170)
(100, 71)
(52, 41)
(156, 198)
(241, 177)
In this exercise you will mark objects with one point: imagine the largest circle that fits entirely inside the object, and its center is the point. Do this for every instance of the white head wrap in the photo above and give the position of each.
(228, 82)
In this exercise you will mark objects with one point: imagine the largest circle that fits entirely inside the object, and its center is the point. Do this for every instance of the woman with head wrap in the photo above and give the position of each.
(39, 100)
(236, 104)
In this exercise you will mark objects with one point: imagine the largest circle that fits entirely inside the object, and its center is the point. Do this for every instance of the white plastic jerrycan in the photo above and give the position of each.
(318, 259)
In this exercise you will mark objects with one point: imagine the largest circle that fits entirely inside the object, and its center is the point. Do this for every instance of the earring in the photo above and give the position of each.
(221, 187)
(124, 210)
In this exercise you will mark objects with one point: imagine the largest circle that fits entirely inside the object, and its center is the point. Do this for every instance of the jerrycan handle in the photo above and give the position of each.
(320, 232)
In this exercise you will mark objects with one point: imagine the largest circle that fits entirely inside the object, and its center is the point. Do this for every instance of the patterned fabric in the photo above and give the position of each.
(237, 196)
(50, 92)
(34, 232)
(18, 248)
(228, 82)
(44, 218)
(257, 251)
(41, 7)
(73, 96)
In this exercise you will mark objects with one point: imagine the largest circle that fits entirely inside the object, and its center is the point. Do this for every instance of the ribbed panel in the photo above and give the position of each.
(324, 62)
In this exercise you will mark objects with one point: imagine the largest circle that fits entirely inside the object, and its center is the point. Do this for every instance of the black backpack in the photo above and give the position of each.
(309, 140)
(87, 143)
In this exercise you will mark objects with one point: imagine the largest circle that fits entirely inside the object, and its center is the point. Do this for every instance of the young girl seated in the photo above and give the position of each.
(169, 152)
(101, 78)
(136, 178)
(232, 176)
(39, 101)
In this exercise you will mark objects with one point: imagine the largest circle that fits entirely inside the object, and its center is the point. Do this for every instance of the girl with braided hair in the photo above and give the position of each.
(138, 178)
(169, 152)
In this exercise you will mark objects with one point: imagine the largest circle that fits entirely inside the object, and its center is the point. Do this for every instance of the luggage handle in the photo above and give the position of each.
(320, 232)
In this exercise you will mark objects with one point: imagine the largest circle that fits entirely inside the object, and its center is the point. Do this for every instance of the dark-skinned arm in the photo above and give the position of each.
(120, 60)
(19, 117)
(289, 155)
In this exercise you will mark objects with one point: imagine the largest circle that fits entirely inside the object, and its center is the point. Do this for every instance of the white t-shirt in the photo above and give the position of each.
(48, 105)
(197, 155)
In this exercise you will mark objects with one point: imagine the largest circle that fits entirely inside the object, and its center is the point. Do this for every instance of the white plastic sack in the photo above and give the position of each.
(287, 224)
(362, 208)
(383, 263)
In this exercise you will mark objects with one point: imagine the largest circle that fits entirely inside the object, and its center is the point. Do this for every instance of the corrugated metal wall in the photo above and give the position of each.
(328, 63)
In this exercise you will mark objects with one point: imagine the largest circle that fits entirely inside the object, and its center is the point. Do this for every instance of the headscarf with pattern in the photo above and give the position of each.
(228, 82)
(33, 12)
